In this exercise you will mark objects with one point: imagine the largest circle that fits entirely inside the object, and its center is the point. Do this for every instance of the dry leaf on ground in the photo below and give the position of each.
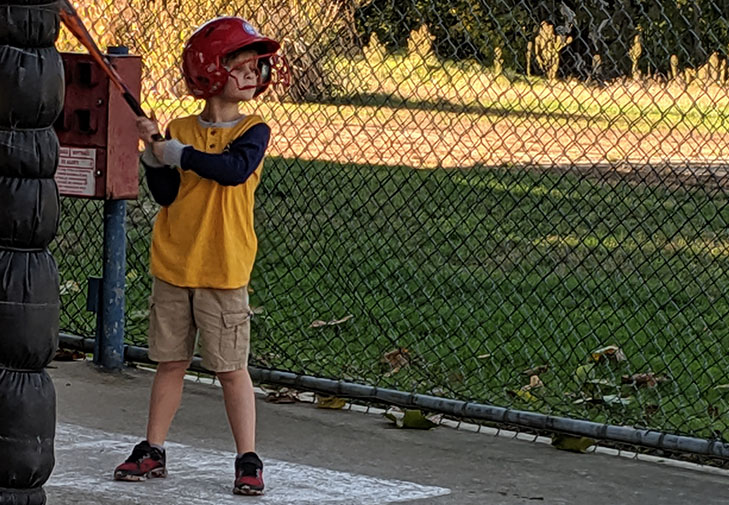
(651, 409)
(396, 359)
(413, 419)
(283, 395)
(66, 355)
(713, 411)
(570, 443)
(537, 370)
(647, 379)
(330, 402)
(69, 287)
(534, 382)
(610, 353)
(523, 394)
(319, 323)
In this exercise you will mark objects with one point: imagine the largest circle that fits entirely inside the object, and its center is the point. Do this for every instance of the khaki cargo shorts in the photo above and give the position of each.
(219, 317)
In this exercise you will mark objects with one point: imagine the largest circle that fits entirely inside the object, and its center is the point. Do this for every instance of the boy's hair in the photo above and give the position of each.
(257, 48)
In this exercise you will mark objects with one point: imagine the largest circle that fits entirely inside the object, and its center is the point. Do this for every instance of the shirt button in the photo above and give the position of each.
(212, 146)
(212, 132)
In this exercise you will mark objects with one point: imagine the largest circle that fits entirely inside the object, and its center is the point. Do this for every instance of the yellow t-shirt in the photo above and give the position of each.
(205, 238)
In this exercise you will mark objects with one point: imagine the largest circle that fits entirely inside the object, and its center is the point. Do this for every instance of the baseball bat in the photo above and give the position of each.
(73, 22)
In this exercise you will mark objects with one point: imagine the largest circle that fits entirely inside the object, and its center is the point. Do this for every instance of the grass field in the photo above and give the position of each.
(409, 111)
(479, 274)
(441, 207)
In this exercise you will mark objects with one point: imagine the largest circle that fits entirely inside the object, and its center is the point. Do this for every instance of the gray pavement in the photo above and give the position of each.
(316, 456)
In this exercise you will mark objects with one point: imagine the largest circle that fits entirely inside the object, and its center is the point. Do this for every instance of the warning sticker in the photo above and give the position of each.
(76, 174)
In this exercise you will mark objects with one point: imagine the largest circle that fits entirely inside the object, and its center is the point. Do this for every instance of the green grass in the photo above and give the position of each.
(379, 79)
(528, 269)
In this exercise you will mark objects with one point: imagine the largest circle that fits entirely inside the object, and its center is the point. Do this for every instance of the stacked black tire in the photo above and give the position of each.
(31, 97)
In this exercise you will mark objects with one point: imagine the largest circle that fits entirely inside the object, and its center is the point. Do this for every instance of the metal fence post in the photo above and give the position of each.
(111, 345)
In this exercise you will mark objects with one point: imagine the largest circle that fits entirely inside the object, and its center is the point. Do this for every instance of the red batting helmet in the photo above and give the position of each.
(202, 58)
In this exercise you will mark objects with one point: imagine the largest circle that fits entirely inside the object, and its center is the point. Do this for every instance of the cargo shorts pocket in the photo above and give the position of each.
(235, 332)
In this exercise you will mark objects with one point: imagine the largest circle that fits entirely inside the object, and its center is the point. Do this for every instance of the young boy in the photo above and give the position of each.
(203, 244)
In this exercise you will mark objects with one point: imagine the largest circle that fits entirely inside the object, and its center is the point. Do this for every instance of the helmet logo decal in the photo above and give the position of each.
(249, 29)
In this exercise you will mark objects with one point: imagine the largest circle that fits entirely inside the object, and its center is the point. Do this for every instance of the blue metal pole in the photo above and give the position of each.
(111, 345)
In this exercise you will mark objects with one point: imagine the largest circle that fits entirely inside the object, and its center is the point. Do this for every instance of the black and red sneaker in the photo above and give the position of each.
(145, 462)
(248, 474)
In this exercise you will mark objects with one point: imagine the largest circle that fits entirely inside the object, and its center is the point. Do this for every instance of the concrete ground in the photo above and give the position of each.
(332, 457)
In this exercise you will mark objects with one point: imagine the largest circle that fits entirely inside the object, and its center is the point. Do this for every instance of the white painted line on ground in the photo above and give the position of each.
(85, 460)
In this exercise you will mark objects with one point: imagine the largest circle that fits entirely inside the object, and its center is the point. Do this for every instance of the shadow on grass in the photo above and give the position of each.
(441, 105)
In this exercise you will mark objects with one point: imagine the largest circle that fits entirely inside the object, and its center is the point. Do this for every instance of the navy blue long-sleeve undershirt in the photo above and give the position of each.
(232, 167)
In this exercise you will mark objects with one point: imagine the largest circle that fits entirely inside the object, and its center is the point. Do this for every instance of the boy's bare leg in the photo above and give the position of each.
(165, 399)
(240, 405)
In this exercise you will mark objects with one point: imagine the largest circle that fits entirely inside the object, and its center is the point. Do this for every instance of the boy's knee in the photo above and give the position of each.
(179, 367)
(232, 375)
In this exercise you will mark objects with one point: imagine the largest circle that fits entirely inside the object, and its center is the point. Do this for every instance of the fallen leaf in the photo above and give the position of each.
(435, 418)
(69, 287)
(483, 356)
(534, 382)
(538, 370)
(319, 324)
(713, 411)
(256, 310)
(570, 443)
(396, 359)
(412, 419)
(67, 355)
(611, 352)
(330, 402)
(651, 409)
(648, 379)
(584, 372)
(523, 394)
(283, 395)
(589, 400)
(267, 359)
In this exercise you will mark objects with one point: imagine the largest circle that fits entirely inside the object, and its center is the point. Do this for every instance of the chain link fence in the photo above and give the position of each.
(515, 203)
